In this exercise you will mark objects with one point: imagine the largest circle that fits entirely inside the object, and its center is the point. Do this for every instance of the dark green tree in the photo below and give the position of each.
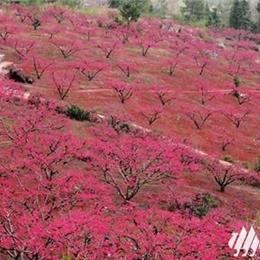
(115, 3)
(240, 15)
(131, 10)
(258, 7)
(258, 17)
(234, 18)
(213, 19)
(194, 10)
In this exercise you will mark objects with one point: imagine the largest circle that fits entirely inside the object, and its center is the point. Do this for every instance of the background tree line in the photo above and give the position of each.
(236, 14)
(239, 15)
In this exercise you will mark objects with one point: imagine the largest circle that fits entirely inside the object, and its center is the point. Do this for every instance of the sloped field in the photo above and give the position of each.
(138, 175)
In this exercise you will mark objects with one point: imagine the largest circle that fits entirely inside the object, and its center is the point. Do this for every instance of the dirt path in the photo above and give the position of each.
(98, 90)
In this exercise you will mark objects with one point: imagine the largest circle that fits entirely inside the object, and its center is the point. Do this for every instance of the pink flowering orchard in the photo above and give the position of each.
(125, 140)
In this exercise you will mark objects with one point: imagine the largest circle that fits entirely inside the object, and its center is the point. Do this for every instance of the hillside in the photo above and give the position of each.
(125, 142)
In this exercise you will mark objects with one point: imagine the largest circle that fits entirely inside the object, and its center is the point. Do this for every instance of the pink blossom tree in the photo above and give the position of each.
(90, 68)
(64, 82)
(22, 47)
(67, 48)
(127, 68)
(8, 27)
(178, 47)
(152, 114)
(205, 91)
(123, 90)
(225, 138)
(38, 64)
(199, 116)
(237, 117)
(203, 54)
(108, 47)
(225, 173)
(164, 94)
(120, 169)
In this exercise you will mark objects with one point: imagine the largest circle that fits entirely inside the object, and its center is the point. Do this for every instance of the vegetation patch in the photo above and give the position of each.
(200, 205)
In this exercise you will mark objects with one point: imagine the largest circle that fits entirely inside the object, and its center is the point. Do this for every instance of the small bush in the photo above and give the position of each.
(228, 158)
(66, 257)
(236, 81)
(119, 20)
(201, 204)
(198, 206)
(257, 164)
(119, 125)
(247, 165)
(76, 113)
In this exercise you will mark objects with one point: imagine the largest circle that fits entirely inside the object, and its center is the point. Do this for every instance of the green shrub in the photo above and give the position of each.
(119, 20)
(76, 113)
(247, 165)
(198, 206)
(65, 257)
(201, 204)
(228, 158)
(257, 164)
(119, 125)
(254, 166)
(236, 81)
